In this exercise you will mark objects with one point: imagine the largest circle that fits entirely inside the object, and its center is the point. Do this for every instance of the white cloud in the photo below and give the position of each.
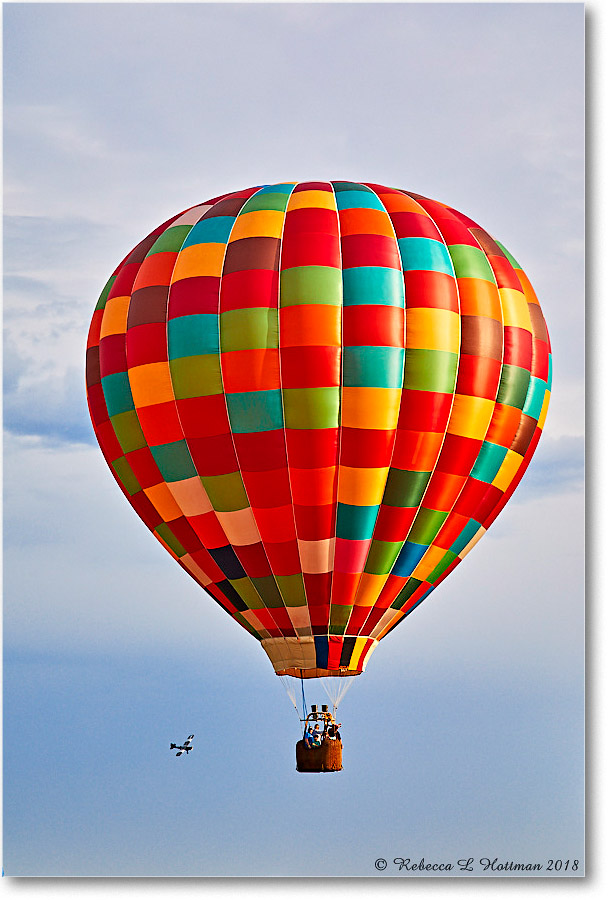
(58, 129)
(81, 571)
(516, 601)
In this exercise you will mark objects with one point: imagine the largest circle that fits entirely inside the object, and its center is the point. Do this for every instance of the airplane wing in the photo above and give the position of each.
(179, 753)
(188, 740)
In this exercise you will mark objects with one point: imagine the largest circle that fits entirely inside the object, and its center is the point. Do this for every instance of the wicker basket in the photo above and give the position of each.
(326, 758)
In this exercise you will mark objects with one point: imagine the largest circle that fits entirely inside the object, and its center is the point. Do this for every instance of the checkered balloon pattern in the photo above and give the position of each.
(318, 396)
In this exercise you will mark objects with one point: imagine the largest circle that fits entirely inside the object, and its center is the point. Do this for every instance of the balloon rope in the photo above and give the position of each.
(303, 702)
(291, 694)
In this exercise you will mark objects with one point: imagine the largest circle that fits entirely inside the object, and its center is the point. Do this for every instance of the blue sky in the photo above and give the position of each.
(464, 737)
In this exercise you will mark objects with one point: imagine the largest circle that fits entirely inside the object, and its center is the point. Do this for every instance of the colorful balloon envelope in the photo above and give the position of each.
(318, 396)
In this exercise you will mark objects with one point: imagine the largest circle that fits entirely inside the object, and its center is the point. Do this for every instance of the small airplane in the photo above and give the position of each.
(186, 747)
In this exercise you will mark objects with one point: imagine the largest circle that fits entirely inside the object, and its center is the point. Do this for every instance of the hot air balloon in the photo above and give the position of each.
(318, 396)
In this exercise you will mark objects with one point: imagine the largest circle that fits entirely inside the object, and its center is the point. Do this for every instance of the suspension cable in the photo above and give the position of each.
(303, 703)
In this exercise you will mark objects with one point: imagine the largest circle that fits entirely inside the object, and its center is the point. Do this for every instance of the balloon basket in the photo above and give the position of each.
(326, 758)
